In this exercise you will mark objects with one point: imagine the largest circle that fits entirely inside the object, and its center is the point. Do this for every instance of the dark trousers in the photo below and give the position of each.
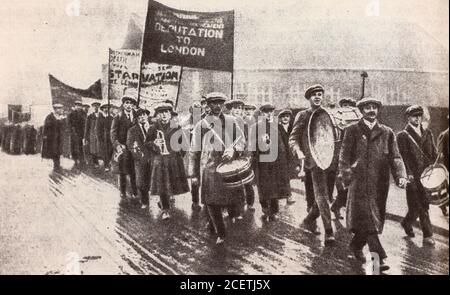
(195, 192)
(360, 239)
(216, 218)
(418, 208)
(165, 201)
(249, 194)
(341, 198)
(56, 162)
(123, 183)
(321, 207)
(143, 194)
(94, 159)
(309, 188)
(270, 207)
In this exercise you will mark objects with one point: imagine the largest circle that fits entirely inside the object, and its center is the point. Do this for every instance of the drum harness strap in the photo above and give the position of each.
(425, 156)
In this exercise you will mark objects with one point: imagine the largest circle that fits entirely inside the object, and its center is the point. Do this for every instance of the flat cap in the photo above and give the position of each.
(414, 110)
(130, 94)
(267, 107)
(95, 103)
(312, 89)
(163, 107)
(249, 107)
(234, 102)
(216, 96)
(348, 100)
(367, 100)
(57, 105)
(285, 112)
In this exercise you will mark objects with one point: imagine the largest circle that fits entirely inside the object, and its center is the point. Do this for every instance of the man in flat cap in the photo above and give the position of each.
(321, 183)
(119, 129)
(142, 156)
(103, 131)
(347, 102)
(285, 128)
(369, 153)
(207, 152)
(272, 172)
(417, 148)
(90, 136)
(77, 120)
(235, 109)
(52, 137)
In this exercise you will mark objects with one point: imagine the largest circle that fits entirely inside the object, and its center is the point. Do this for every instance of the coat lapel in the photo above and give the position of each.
(417, 138)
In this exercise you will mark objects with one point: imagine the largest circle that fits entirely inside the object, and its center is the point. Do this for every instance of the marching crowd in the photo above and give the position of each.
(158, 154)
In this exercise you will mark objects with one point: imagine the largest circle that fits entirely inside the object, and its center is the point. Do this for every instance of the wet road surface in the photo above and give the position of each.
(75, 222)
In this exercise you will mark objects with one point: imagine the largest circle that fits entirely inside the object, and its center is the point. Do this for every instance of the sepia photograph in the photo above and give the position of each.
(206, 137)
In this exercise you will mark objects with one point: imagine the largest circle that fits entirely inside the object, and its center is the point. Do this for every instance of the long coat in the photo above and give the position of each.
(416, 159)
(51, 137)
(91, 136)
(370, 155)
(119, 129)
(204, 159)
(77, 121)
(168, 175)
(103, 133)
(272, 178)
(142, 155)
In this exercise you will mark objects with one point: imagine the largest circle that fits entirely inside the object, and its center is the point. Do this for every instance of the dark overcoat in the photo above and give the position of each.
(103, 132)
(418, 152)
(272, 177)
(51, 137)
(370, 155)
(168, 176)
(119, 130)
(141, 154)
(77, 121)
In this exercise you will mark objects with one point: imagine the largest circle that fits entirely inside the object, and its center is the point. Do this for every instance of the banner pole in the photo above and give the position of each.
(232, 69)
(179, 87)
(108, 80)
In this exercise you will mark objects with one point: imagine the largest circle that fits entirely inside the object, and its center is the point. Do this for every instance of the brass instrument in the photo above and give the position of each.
(160, 136)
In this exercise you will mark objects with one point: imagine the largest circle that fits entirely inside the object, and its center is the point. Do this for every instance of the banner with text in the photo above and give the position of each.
(186, 38)
(159, 82)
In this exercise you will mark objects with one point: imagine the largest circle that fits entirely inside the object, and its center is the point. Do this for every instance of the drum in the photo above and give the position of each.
(325, 129)
(236, 173)
(434, 180)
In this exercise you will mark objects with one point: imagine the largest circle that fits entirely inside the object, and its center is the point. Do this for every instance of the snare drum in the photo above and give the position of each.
(236, 173)
(434, 180)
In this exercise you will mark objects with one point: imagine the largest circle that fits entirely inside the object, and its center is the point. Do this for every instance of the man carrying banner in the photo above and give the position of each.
(77, 121)
(119, 129)
(213, 142)
(90, 136)
(52, 136)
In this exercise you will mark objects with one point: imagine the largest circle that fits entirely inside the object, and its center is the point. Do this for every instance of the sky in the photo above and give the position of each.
(42, 37)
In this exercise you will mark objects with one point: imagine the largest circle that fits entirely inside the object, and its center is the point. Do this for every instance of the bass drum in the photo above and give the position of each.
(325, 130)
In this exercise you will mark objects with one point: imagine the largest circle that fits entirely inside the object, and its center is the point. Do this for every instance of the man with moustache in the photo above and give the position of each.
(322, 182)
(418, 151)
(119, 130)
(207, 152)
(369, 153)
